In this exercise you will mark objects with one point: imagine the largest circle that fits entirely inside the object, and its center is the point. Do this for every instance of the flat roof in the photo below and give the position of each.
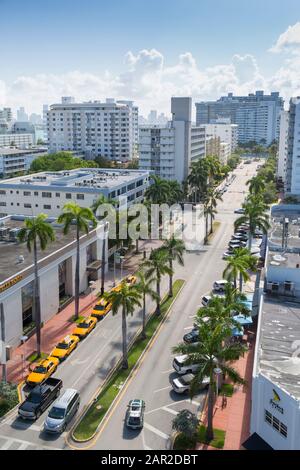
(79, 179)
(10, 251)
(14, 151)
(278, 343)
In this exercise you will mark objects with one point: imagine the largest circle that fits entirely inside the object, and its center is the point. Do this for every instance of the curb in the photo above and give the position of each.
(98, 392)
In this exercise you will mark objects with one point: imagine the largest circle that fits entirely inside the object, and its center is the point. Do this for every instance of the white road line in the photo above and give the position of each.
(7, 444)
(29, 443)
(196, 403)
(188, 328)
(23, 446)
(161, 389)
(169, 410)
(156, 431)
(167, 371)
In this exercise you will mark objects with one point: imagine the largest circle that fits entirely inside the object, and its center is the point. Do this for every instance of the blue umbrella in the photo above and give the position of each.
(242, 320)
(237, 332)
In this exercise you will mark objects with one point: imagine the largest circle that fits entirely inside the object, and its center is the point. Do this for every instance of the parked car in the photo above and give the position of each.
(237, 244)
(227, 254)
(135, 414)
(42, 371)
(182, 368)
(240, 236)
(101, 309)
(64, 348)
(183, 384)
(62, 411)
(130, 280)
(205, 300)
(40, 398)
(192, 336)
(239, 211)
(85, 327)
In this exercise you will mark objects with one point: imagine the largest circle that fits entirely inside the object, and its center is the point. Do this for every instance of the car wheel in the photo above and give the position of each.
(64, 428)
(38, 414)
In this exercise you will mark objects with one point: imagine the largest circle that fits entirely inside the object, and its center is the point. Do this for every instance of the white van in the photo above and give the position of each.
(180, 366)
(62, 412)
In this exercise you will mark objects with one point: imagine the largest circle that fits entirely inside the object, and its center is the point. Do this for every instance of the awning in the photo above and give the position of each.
(242, 320)
(255, 442)
(94, 266)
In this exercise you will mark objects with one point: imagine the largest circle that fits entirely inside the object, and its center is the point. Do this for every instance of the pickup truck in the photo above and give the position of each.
(40, 398)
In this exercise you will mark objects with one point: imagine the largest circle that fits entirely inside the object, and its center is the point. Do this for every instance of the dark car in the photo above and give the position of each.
(40, 398)
(192, 336)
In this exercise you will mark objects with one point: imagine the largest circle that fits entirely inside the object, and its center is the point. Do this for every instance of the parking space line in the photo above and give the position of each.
(167, 371)
(169, 410)
(161, 389)
(156, 431)
(7, 444)
(196, 403)
(188, 328)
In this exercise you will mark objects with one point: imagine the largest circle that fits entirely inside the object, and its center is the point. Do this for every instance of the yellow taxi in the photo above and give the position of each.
(42, 371)
(116, 289)
(65, 347)
(85, 327)
(130, 280)
(101, 309)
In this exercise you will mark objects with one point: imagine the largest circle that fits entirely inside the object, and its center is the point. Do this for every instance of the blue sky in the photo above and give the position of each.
(56, 37)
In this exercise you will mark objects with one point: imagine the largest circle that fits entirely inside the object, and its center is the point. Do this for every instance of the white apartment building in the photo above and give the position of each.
(292, 167)
(56, 272)
(168, 150)
(48, 192)
(226, 131)
(107, 129)
(282, 150)
(225, 152)
(13, 160)
(21, 140)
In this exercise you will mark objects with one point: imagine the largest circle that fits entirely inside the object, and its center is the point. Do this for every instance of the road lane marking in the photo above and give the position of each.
(167, 371)
(188, 328)
(169, 410)
(7, 444)
(156, 431)
(12, 440)
(161, 389)
(23, 446)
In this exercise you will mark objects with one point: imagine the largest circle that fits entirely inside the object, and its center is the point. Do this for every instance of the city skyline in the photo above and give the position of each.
(124, 53)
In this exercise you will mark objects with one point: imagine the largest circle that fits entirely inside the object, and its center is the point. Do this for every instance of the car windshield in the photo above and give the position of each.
(40, 370)
(134, 420)
(34, 398)
(83, 325)
(99, 307)
(56, 413)
(62, 346)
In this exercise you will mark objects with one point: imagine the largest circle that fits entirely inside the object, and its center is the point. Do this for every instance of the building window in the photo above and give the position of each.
(275, 423)
(68, 196)
(27, 206)
(2, 204)
(46, 194)
(80, 196)
(47, 206)
(26, 193)
(57, 194)
(2, 191)
(36, 193)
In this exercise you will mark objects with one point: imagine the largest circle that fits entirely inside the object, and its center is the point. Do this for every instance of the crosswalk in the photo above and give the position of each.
(7, 443)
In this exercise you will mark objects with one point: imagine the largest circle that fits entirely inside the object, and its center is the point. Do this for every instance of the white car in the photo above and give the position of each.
(182, 368)
(219, 286)
(182, 384)
(205, 300)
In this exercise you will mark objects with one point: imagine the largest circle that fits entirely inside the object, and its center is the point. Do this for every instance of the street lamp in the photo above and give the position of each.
(23, 341)
(218, 372)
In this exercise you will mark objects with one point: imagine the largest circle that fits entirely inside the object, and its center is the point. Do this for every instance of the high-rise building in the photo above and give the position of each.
(22, 116)
(169, 150)
(94, 128)
(257, 115)
(227, 132)
(282, 150)
(292, 142)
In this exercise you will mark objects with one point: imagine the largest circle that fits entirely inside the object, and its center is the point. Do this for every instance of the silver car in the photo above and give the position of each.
(62, 412)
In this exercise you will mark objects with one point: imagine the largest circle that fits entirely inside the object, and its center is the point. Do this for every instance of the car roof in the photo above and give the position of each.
(66, 397)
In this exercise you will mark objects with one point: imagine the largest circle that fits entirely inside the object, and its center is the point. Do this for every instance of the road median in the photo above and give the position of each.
(91, 419)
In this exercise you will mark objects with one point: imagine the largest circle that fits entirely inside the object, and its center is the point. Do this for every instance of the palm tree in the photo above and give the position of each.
(238, 265)
(256, 185)
(157, 265)
(214, 197)
(159, 191)
(255, 216)
(126, 298)
(36, 230)
(144, 286)
(101, 200)
(175, 249)
(198, 178)
(83, 218)
(186, 423)
(176, 192)
(213, 351)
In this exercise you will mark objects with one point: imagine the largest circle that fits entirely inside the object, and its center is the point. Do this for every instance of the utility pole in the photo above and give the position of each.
(3, 345)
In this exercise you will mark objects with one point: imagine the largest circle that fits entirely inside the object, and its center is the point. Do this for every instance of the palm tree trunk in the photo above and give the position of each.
(206, 228)
(250, 241)
(103, 262)
(124, 339)
(144, 317)
(171, 278)
(158, 294)
(210, 412)
(37, 310)
(241, 282)
(137, 246)
(77, 274)
(211, 222)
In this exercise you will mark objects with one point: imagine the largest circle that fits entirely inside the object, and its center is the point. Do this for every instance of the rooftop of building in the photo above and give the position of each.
(15, 257)
(284, 236)
(83, 178)
(109, 103)
(17, 151)
(279, 343)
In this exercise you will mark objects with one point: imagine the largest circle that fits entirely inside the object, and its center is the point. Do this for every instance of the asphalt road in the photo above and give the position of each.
(88, 366)
(152, 381)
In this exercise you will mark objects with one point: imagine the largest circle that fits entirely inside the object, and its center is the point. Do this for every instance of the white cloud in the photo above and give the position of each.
(289, 40)
(150, 80)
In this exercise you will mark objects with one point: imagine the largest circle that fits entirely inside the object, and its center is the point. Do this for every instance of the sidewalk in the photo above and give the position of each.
(60, 325)
(235, 417)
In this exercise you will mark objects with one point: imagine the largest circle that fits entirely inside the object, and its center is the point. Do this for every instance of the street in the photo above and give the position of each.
(88, 366)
